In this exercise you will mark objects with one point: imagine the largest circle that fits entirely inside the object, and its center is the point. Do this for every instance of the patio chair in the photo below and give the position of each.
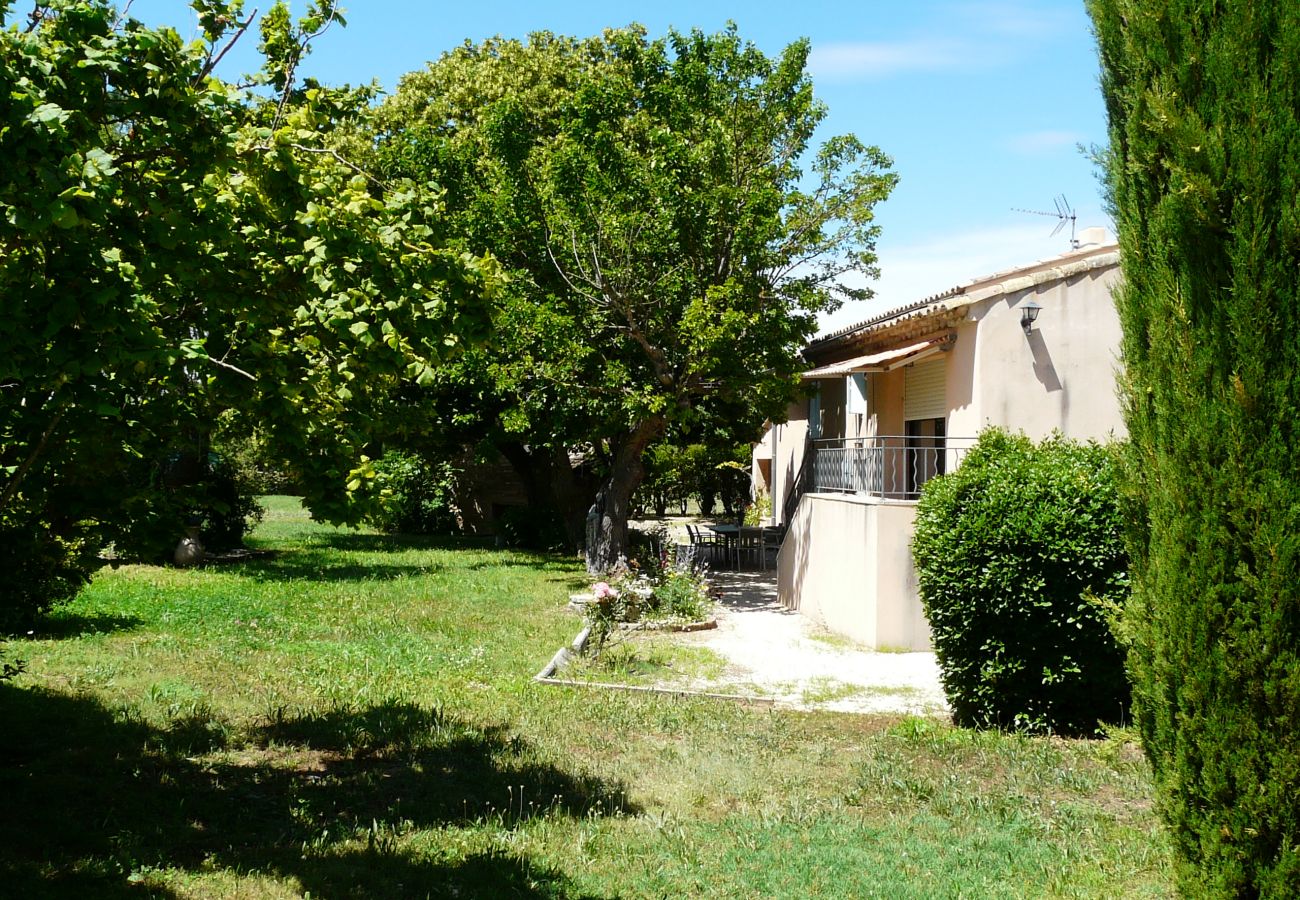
(749, 547)
(705, 546)
(772, 537)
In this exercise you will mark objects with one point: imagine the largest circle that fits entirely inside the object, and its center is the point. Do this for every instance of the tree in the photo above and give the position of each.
(1204, 108)
(648, 200)
(171, 247)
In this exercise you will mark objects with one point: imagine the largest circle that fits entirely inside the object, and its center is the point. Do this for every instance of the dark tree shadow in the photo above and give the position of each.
(365, 542)
(60, 624)
(512, 559)
(324, 566)
(93, 795)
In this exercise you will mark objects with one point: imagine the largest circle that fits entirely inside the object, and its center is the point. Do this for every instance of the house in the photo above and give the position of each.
(899, 398)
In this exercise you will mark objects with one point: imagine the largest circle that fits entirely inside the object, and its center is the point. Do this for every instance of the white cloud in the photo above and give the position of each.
(880, 59)
(1017, 20)
(974, 32)
(1034, 143)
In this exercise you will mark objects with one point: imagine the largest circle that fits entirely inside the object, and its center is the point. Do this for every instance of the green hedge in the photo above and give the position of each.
(1020, 556)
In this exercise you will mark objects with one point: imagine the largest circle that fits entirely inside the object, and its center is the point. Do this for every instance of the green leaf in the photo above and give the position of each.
(47, 113)
(63, 215)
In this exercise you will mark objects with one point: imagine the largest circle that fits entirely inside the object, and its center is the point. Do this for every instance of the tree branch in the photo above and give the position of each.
(214, 60)
(12, 487)
(36, 16)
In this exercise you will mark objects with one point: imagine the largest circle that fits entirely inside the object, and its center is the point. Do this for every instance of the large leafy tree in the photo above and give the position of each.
(670, 245)
(171, 246)
(1204, 108)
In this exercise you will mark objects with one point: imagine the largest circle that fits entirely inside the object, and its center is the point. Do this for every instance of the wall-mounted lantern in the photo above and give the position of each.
(1028, 314)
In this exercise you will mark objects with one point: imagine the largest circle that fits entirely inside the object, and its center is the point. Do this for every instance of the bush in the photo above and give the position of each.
(417, 496)
(248, 452)
(44, 564)
(1020, 558)
(230, 508)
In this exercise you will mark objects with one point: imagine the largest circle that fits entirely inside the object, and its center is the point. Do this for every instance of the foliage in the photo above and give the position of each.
(665, 481)
(760, 512)
(649, 200)
(231, 510)
(1019, 556)
(713, 466)
(1204, 137)
(44, 563)
(246, 449)
(419, 496)
(172, 247)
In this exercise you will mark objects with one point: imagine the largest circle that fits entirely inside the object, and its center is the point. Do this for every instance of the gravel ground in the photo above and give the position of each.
(774, 652)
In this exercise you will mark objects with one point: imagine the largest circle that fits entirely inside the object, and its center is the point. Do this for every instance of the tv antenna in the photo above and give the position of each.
(1063, 212)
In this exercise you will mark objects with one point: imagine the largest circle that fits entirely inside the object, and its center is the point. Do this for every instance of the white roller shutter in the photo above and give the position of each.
(923, 390)
(855, 388)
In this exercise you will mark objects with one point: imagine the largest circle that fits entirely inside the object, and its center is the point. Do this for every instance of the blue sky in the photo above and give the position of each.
(981, 103)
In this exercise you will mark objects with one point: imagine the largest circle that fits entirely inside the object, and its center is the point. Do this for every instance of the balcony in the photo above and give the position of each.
(889, 467)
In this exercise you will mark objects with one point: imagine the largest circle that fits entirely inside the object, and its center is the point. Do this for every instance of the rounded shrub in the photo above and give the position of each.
(1020, 559)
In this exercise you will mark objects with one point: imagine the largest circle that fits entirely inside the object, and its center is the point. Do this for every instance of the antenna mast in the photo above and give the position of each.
(1063, 212)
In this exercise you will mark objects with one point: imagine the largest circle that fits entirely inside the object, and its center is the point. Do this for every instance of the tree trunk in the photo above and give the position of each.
(607, 518)
(570, 498)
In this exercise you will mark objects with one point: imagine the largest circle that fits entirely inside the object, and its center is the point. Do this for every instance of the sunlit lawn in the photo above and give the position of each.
(354, 717)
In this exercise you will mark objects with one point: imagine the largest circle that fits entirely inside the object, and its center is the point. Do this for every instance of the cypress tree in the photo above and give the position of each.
(1203, 173)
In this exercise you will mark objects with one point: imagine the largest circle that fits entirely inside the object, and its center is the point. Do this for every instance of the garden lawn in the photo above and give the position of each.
(354, 717)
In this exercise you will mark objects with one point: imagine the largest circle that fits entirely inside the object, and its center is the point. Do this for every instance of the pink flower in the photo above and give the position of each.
(602, 590)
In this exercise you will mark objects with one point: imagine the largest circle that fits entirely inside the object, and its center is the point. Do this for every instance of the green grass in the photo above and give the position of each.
(353, 716)
(646, 658)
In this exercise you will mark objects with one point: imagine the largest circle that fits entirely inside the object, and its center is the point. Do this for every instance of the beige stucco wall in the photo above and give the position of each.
(1060, 377)
(857, 577)
(784, 445)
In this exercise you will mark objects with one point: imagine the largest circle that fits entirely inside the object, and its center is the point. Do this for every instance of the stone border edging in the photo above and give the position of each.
(666, 692)
(563, 655)
(703, 625)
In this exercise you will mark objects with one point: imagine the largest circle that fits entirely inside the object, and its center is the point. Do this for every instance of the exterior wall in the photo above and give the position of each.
(1060, 377)
(777, 458)
(856, 578)
(886, 401)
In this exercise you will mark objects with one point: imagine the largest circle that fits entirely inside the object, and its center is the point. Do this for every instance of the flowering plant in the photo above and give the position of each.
(633, 592)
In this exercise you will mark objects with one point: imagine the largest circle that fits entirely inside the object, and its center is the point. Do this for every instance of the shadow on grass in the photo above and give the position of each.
(513, 559)
(93, 796)
(60, 624)
(365, 542)
(324, 566)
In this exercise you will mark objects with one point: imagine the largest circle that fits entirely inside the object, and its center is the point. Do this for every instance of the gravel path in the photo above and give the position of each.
(774, 652)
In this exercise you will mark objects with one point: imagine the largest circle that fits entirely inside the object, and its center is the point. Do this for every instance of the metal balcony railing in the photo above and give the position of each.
(892, 467)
